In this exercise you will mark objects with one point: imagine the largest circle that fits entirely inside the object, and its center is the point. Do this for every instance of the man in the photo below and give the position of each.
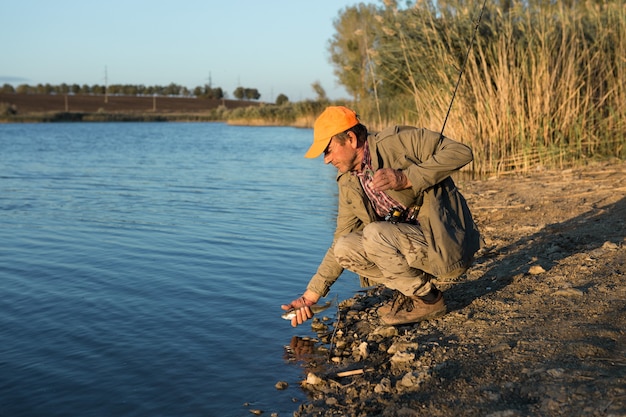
(401, 220)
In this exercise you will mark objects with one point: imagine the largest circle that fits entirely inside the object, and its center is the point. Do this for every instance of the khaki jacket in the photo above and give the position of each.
(444, 216)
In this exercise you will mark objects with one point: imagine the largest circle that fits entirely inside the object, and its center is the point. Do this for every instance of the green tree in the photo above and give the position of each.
(131, 90)
(252, 94)
(319, 90)
(214, 93)
(348, 47)
(22, 89)
(239, 93)
(282, 99)
(172, 90)
(7, 89)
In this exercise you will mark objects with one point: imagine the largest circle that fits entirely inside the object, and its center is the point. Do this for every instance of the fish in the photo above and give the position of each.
(315, 308)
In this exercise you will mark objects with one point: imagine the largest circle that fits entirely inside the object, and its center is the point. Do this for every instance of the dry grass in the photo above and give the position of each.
(543, 85)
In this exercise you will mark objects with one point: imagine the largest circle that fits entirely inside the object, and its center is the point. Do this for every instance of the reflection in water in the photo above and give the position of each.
(300, 349)
(308, 352)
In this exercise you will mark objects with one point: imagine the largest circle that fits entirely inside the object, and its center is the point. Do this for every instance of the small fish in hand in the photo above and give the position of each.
(315, 308)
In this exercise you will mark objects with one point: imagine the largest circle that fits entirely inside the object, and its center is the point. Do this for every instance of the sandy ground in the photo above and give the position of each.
(537, 327)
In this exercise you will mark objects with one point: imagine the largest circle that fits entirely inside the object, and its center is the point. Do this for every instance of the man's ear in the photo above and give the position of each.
(354, 141)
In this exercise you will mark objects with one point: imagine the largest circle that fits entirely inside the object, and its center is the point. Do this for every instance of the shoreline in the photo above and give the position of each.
(535, 327)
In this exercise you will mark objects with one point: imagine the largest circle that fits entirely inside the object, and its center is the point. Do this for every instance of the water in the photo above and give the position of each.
(142, 266)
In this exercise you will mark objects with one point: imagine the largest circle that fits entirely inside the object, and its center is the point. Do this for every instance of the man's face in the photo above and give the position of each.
(345, 157)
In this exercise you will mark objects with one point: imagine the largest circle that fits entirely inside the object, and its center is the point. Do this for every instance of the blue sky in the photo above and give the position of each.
(275, 46)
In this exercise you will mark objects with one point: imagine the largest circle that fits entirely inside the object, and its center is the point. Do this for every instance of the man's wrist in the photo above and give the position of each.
(309, 297)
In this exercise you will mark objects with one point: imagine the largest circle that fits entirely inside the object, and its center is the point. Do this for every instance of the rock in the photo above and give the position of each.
(402, 357)
(352, 315)
(383, 386)
(358, 306)
(409, 380)
(536, 270)
(319, 326)
(501, 347)
(610, 245)
(281, 385)
(256, 412)
(556, 372)
(363, 350)
(341, 344)
(569, 292)
(402, 347)
(407, 412)
(386, 331)
(504, 413)
(313, 379)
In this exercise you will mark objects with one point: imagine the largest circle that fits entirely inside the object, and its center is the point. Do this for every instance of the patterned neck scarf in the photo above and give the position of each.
(381, 202)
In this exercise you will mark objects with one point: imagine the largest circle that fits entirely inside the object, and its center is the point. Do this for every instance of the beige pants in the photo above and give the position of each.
(394, 255)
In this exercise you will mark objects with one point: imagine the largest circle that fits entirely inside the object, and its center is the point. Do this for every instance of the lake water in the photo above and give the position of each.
(142, 266)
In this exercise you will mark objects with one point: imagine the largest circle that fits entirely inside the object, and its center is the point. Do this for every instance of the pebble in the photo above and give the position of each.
(402, 357)
(363, 350)
(313, 379)
(341, 344)
(410, 380)
(386, 331)
(556, 373)
(569, 292)
(280, 385)
(504, 413)
(402, 347)
(319, 326)
(610, 245)
(536, 270)
(500, 348)
(383, 386)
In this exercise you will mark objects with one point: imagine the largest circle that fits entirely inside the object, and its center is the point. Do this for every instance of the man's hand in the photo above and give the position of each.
(302, 307)
(390, 179)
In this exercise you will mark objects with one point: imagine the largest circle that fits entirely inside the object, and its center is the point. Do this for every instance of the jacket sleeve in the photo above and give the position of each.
(353, 213)
(423, 157)
(327, 273)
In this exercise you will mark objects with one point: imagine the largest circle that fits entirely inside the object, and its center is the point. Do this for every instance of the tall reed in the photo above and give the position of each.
(544, 85)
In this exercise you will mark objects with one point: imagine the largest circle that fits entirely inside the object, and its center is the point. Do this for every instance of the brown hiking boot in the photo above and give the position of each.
(389, 304)
(413, 310)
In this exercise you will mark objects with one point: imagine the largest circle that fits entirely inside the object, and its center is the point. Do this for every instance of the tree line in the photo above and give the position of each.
(172, 89)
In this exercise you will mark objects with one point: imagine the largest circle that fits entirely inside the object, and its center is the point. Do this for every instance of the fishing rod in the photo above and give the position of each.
(458, 81)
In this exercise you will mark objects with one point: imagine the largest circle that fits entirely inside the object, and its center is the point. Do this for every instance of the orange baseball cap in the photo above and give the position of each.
(333, 120)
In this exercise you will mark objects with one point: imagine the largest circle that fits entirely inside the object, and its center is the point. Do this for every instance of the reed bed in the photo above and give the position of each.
(543, 85)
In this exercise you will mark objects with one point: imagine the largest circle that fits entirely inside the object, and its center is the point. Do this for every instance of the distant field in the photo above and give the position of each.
(44, 103)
